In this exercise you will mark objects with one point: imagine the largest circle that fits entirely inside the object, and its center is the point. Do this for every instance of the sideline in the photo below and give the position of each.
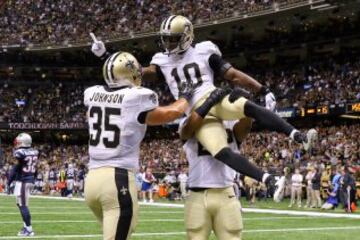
(245, 210)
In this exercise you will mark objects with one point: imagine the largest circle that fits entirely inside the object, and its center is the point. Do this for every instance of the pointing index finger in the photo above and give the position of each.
(93, 37)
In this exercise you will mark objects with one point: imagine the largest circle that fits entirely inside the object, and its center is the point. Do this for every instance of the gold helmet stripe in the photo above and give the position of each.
(168, 22)
(110, 66)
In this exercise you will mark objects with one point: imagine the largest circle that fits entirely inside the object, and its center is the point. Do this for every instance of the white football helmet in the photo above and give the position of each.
(312, 137)
(23, 140)
(122, 69)
(176, 34)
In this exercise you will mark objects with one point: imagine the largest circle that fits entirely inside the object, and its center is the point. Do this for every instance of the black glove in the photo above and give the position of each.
(186, 90)
(215, 97)
(8, 190)
(237, 93)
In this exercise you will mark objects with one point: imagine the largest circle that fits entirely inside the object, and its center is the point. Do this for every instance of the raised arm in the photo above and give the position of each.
(150, 73)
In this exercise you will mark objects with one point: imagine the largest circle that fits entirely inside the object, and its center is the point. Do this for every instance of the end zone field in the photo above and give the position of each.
(71, 219)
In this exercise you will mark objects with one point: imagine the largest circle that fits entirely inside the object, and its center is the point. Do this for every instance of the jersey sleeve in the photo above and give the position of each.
(86, 96)
(208, 48)
(159, 59)
(149, 100)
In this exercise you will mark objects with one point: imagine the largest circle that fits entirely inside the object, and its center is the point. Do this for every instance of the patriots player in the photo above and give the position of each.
(80, 179)
(118, 114)
(39, 182)
(24, 173)
(70, 179)
(198, 64)
(52, 177)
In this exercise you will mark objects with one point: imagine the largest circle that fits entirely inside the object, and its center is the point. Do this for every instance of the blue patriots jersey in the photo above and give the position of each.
(28, 158)
(52, 175)
(70, 173)
(81, 174)
(39, 176)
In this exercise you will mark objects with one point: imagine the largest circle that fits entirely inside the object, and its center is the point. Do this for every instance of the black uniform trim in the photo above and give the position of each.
(125, 203)
(159, 73)
(106, 88)
(218, 65)
(142, 116)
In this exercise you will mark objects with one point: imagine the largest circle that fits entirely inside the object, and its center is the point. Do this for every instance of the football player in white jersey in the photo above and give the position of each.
(212, 204)
(198, 64)
(118, 114)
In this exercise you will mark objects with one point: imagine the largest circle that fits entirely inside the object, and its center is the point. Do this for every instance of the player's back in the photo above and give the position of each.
(206, 171)
(114, 129)
(28, 158)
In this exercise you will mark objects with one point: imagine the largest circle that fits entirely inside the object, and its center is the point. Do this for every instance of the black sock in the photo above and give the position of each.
(25, 213)
(239, 163)
(267, 118)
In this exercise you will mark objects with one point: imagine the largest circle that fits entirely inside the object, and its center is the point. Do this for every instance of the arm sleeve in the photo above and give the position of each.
(13, 173)
(218, 64)
(148, 102)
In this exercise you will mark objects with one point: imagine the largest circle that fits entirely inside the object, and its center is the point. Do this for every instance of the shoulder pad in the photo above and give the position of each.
(19, 154)
(148, 98)
(207, 47)
(159, 59)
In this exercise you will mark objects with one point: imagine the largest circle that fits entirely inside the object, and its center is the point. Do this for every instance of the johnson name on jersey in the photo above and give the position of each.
(191, 66)
(114, 129)
(28, 158)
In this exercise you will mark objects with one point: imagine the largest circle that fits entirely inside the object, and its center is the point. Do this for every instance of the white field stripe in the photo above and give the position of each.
(183, 233)
(250, 210)
(151, 220)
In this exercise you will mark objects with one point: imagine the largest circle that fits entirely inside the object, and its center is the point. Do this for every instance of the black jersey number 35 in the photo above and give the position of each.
(97, 126)
(187, 69)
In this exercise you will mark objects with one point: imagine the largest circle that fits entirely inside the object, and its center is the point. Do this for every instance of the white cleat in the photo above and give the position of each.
(25, 233)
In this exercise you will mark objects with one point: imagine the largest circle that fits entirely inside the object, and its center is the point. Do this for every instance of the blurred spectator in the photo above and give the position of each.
(27, 22)
(315, 183)
(296, 188)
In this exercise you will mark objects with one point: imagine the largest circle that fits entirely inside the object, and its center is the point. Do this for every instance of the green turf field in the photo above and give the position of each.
(63, 219)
